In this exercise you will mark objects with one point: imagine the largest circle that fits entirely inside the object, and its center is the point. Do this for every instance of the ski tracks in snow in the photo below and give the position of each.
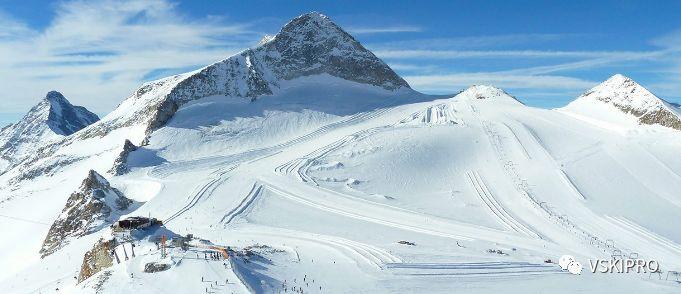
(256, 190)
(642, 232)
(489, 268)
(168, 169)
(493, 205)
(361, 253)
(301, 165)
(205, 189)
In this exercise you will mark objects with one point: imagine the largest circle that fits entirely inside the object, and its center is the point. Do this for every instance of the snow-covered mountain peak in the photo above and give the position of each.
(622, 100)
(54, 97)
(486, 92)
(63, 117)
(311, 27)
(53, 118)
(313, 44)
(308, 45)
(622, 91)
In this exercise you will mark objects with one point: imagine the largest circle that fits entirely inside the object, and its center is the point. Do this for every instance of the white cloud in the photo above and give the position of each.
(383, 30)
(11, 27)
(98, 52)
(668, 83)
(469, 42)
(461, 54)
(455, 82)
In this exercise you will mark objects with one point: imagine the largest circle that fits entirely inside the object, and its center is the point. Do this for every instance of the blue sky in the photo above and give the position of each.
(544, 52)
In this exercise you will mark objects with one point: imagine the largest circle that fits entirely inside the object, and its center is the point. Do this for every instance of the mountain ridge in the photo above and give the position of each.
(309, 44)
(53, 118)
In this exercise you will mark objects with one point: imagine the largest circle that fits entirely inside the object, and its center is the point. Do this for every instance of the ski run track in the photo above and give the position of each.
(507, 185)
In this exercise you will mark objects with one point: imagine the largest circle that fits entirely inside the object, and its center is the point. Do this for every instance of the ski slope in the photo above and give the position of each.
(481, 188)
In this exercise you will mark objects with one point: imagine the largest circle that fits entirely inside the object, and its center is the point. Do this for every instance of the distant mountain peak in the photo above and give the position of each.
(629, 97)
(619, 78)
(313, 44)
(310, 24)
(56, 97)
(52, 118)
(622, 91)
(484, 92)
(65, 118)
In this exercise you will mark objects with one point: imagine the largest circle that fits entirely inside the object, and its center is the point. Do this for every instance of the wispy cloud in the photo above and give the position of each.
(383, 30)
(98, 52)
(461, 54)
(11, 27)
(454, 82)
(470, 42)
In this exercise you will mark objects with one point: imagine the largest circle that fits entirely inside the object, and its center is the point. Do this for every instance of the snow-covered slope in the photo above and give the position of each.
(621, 101)
(309, 47)
(50, 120)
(333, 183)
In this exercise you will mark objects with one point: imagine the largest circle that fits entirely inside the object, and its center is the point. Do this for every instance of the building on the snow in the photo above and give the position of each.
(134, 223)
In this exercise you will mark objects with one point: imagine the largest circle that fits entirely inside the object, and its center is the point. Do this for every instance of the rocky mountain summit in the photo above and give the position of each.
(627, 96)
(90, 208)
(53, 118)
(310, 44)
(120, 165)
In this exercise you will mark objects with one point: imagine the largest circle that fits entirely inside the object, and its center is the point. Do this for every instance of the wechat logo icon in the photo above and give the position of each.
(570, 264)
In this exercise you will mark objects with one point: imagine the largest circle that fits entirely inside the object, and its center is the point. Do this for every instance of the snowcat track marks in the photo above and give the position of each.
(205, 189)
(571, 184)
(252, 195)
(640, 231)
(492, 268)
(493, 205)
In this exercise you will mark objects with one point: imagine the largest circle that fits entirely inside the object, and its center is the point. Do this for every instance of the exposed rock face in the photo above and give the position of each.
(313, 44)
(631, 98)
(310, 44)
(65, 118)
(50, 120)
(96, 259)
(154, 267)
(121, 163)
(89, 209)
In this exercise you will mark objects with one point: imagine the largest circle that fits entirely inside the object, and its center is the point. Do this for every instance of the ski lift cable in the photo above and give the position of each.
(24, 220)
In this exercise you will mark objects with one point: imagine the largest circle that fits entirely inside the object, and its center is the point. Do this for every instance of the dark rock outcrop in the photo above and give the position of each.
(120, 165)
(96, 259)
(87, 210)
(154, 267)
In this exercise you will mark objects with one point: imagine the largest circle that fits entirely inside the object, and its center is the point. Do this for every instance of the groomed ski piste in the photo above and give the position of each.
(471, 193)
(306, 165)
